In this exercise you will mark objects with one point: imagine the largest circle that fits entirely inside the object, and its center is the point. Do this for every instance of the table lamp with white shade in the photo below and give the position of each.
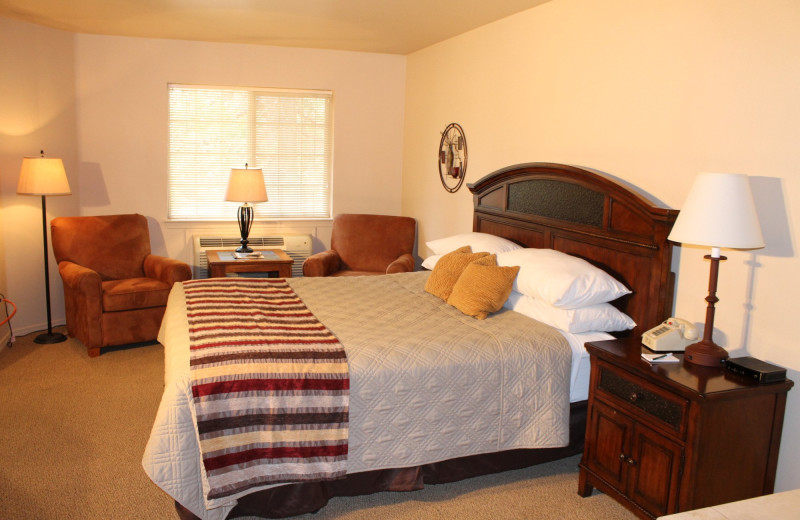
(719, 212)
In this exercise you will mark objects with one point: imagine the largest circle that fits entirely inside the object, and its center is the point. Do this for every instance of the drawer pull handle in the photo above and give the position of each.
(634, 397)
(631, 462)
(622, 456)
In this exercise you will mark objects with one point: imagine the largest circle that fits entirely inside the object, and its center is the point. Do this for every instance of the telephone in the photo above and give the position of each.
(673, 335)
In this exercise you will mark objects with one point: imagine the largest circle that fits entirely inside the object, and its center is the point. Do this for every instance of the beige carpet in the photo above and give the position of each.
(73, 430)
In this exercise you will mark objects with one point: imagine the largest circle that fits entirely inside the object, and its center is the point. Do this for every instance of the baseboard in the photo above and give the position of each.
(5, 331)
(4, 338)
(37, 327)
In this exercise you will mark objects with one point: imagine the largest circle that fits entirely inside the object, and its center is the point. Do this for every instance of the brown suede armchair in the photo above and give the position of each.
(366, 245)
(115, 291)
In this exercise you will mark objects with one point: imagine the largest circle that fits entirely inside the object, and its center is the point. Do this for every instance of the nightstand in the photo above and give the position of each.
(671, 437)
(220, 263)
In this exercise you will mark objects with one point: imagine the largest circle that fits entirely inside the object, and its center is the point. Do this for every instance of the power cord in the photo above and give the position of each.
(12, 338)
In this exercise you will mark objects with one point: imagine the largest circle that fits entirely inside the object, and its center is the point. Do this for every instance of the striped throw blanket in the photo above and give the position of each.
(270, 386)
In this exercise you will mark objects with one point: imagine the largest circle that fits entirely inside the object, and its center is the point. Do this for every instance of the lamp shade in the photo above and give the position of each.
(43, 176)
(719, 212)
(246, 185)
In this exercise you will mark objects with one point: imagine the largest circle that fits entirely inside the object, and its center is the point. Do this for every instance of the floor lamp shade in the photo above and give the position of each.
(44, 176)
(719, 212)
(246, 185)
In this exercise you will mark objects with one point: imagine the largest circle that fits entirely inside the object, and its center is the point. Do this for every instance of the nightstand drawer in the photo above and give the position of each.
(657, 405)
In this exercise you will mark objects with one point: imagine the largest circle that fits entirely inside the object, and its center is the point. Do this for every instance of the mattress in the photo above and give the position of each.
(427, 382)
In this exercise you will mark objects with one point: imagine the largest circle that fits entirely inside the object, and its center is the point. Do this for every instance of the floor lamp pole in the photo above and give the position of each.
(49, 336)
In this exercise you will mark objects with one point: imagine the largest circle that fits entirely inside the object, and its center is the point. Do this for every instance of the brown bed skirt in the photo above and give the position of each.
(307, 497)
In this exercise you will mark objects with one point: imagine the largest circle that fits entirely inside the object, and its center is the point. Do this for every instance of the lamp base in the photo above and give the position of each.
(705, 353)
(245, 217)
(50, 337)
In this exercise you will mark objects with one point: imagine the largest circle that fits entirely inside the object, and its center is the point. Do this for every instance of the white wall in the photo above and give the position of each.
(122, 117)
(100, 102)
(652, 93)
(37, 112)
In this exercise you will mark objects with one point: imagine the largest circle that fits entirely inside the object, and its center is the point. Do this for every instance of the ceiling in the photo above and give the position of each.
(384, 26)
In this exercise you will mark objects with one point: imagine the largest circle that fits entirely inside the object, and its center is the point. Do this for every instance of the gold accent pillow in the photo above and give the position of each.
(482, 289)
(447, 270)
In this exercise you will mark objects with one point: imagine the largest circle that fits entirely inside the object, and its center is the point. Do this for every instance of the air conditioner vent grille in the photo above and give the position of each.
(276, 242)
(298, 247)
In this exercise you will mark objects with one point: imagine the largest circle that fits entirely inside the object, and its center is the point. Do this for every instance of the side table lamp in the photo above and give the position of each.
(246, 185)
(44, 176)
(719, 212)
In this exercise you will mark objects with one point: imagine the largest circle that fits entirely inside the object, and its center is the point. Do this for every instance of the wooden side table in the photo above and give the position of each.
(672, 437)
(220, 263)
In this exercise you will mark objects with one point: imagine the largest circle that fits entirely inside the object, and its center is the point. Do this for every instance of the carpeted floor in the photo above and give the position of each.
(73, 430)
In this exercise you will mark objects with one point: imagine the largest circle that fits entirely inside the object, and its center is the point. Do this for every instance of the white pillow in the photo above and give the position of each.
(560, 279)
(602, 317)
(480, 242)
(430, 262)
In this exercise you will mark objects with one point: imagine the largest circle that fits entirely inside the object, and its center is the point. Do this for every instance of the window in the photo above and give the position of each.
(286, 133)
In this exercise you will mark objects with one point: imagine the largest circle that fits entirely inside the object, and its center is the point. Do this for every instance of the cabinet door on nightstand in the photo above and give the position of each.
(607, 442)
(655, 471)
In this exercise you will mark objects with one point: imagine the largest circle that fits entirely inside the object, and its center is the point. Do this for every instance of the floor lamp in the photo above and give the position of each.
(245, 186)
(44, 176)
(718, 213)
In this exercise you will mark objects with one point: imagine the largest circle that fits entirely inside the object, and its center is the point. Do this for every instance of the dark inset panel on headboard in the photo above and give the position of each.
(557, 200)
(588, 215)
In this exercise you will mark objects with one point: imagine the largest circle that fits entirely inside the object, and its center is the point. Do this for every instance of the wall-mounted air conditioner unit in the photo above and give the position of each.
(298, 247)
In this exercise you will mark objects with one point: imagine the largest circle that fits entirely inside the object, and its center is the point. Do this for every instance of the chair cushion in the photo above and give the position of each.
(134, 293)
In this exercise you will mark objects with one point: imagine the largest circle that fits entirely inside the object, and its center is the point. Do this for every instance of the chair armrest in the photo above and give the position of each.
(322, 264)
(404, 264)
(168, 270)
(81, 280)
(83, 303)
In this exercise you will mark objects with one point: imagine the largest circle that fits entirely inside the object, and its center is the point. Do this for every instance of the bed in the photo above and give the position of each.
(438, 396)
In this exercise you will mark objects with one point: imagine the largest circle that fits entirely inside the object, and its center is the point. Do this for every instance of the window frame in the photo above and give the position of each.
(311, 122)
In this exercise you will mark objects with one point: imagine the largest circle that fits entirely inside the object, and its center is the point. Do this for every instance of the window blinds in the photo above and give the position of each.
(286, 133)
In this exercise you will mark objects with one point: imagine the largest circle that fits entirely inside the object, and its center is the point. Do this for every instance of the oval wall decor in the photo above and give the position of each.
(452, 157)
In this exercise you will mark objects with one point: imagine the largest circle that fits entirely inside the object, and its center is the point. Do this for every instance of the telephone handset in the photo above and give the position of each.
(673, 335)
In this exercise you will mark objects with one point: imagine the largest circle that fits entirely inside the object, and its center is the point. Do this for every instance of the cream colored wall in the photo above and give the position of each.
(652, 93)
(122, 117)
(37, 111)
(649, 92)
(100, 103)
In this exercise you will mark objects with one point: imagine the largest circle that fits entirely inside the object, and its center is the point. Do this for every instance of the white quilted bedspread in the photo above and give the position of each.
(427, 382)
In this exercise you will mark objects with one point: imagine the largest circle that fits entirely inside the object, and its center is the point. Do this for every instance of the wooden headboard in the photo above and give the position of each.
(569, 209)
